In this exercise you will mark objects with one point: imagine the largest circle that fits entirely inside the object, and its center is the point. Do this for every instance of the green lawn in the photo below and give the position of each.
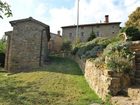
(60, 83)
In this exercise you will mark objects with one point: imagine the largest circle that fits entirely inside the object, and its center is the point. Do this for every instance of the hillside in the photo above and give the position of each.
(60, 83)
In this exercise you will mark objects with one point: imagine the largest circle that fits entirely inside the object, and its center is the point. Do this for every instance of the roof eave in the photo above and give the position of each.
(27, 19)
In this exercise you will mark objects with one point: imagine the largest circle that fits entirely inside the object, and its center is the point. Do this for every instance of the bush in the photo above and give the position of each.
(2, 46)
(92, 48)
(94, 52)
(92, 36)
(110, 53)
(132, 33)
(118, 57)
(66, 46)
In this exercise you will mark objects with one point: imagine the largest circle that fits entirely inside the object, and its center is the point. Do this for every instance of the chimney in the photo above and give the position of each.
(58, 32)
(106, 18)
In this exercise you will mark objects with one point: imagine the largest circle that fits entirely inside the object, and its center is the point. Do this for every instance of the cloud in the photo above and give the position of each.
(40, 9)
(91, 11)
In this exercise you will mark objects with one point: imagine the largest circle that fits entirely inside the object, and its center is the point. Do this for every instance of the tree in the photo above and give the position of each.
(134, 19)
(5, 9)
(132, 33)
(92, 36)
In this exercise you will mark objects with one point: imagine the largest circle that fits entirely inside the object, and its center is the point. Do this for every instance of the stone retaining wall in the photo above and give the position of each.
(135, 46)
(105, 82)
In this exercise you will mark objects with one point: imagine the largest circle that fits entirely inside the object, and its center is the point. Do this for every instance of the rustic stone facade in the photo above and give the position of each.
(27, 45)
(106, 29)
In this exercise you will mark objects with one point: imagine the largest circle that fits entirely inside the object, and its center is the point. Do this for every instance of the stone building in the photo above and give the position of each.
(55, 42)
(106, 29)
(27, 45)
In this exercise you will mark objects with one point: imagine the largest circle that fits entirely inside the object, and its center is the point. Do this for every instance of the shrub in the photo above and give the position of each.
(118, 57)
(92, 48)
(132, 33)
(66, 46)
(94, 52)
(2, 46)
(92, 36)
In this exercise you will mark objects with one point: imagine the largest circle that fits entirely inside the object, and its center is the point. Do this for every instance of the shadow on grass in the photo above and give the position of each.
(11, 93)
(63, 65)
(55, 64)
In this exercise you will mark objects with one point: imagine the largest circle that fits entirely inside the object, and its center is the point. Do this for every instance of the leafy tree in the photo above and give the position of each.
(5, 9)
(2, 46)
(132, 33)
(134, 19)
(92, 36)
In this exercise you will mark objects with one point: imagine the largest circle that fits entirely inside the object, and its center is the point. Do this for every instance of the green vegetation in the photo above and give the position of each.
(66, 46)
(92, 36)
(5, 9)
(132, 29)
(134, 19)
(2, 46)
(110, 53)
(60, 83)
(132, 33)
(92, 49)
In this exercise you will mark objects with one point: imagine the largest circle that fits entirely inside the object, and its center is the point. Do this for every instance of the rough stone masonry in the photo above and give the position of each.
(27, 45)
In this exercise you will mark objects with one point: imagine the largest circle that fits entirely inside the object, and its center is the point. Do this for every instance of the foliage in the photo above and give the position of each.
(66, 46)
(118, 57)
(61, 83)
(110, 53)
(134, 19)
(5, 9)
(92, 48)
(94, 52)
(2, 46)
(92, 36)
(132, 33)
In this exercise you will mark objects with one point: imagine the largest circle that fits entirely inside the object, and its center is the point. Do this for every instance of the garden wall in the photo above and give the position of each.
(104, 82)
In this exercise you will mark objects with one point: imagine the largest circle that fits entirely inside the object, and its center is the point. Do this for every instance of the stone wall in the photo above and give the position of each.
(107, 82)
(104, 82)
(101, 30)
(135, 46)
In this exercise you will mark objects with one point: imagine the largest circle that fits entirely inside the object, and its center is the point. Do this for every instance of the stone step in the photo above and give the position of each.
(137, 81)
(137, 54)
(120, 100)
(137, 66)
(137, 75)
(137, 59)
(134, 92)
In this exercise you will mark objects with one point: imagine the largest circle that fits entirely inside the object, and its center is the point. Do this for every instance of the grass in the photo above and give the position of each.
(61, 82)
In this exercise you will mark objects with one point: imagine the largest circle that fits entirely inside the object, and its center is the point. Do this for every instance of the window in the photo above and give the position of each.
(82, 34)
(70, 35)
(82, 27)
(113, 32)
(97, 33)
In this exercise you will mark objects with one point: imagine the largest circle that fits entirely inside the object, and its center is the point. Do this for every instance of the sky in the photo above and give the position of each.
(58, 13)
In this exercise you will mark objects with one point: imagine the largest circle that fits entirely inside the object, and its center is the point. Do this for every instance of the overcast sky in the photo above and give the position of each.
(58, 13)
